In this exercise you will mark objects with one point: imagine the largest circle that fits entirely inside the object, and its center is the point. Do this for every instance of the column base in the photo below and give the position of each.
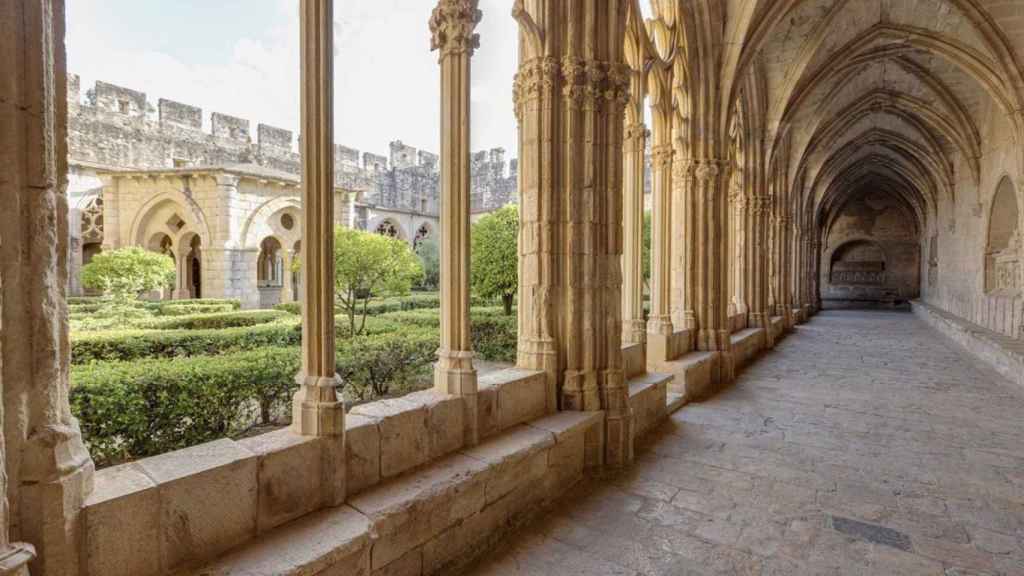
(14, 560)
(581, 391)
(619, 420)
(454, 374)
(316, 410)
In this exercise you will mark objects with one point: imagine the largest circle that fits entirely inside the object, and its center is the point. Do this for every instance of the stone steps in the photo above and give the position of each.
(428, 520)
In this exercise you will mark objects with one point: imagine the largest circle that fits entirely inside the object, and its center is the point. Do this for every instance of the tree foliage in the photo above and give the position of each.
(430, 258)
(495, 256)
(367, 265)
(125, 273)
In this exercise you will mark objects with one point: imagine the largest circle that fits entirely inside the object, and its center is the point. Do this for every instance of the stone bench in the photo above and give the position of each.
(430, 521)
(746, 345)
(1003, 353)
(648, 399)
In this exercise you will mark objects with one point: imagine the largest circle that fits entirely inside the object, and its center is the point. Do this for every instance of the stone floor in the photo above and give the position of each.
(864, 444)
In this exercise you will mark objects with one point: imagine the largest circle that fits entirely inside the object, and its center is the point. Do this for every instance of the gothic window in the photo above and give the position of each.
(422, 234)
(270, 264)
(388, 228)
(1003, 249)
(92, 221)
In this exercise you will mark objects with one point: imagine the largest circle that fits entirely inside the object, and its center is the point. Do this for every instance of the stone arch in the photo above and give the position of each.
(155, 215)
(423, 232)
(1003, 241)
(267, 220)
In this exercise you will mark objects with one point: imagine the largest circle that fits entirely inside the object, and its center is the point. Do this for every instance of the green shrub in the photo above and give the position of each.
(191, 310)
(73, 300)
(234, 303)
(494, 334)
(135, 409)
(140, 344)
(213, 321)
(290, 307)
(374, 366)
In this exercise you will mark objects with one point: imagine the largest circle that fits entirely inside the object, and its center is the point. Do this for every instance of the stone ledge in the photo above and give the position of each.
(634, 359)
(675, 402)
(778, 327)
(694, 374)
(510, 397)
(1004, 354)
(431, 520)
(746, 345)
(648, 400)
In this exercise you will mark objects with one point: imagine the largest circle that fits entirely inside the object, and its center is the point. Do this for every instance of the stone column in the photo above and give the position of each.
(705, 192)
(757, 253)
(286, 275)
(451, 26)
(317, 409)
(47, 470)
(634, 328)
(659, 323)
(570, 92)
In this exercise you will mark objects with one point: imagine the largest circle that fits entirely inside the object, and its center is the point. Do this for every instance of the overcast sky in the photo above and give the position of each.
(240, 57)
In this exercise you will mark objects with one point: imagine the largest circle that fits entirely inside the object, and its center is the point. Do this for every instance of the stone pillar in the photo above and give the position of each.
(634, 328)
(451, 26)
(757, 254)
(705, 191)
(317, 409)
(570, 92)
(287, 295)
(659, 323)
(47, 470)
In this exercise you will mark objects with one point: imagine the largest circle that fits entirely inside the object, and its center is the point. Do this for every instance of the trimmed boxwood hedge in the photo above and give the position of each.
(135, 409)
(142, 344)
(214, 321)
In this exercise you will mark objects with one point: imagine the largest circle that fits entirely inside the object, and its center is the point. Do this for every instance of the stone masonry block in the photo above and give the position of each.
(407, 512)
(404, 436)
(122, 524)
(518, 455)
(285, 495)
(446, 417)
(362, 437)
(208, 501)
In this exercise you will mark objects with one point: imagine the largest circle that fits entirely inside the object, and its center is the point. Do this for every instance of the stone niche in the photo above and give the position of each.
(872, 256)
(1003, 247)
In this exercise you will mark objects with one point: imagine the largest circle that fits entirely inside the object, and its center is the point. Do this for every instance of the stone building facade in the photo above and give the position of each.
(225, 205)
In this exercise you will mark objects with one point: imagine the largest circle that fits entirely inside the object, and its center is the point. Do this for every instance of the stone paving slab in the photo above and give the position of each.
(864, 444)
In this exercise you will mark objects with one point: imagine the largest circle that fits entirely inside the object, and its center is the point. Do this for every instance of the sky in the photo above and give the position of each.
(241, 57)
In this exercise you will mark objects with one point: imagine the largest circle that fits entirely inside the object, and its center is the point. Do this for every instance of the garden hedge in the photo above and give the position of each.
(214, 321)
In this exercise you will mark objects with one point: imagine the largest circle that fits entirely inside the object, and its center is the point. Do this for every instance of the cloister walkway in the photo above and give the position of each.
(864, 444)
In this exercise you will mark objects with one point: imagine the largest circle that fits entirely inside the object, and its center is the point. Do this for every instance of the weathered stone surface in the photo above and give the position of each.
(362, 436)
(284, 494)
(122, 524)
(404, 434)
(208, 501)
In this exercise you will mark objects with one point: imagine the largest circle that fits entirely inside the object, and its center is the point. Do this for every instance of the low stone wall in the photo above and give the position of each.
(1002, 353)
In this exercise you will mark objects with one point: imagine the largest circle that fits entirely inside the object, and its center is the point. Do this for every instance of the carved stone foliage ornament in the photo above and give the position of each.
(451, 27)
(92, 221)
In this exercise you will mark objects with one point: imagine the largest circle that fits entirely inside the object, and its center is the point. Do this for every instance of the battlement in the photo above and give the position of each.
(118, 127)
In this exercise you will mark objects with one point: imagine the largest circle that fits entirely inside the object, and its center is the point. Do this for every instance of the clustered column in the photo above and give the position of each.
(318, 411)
(659, 323)
(570, 94)
(451, 25)
(707, 204)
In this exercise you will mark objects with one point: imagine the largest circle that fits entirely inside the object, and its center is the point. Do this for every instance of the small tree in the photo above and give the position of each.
(368, 265)
(495, 256)
(430, 258)
(126, 273)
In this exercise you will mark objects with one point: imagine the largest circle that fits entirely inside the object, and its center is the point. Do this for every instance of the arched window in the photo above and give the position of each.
(422, 234)
(1003, 248)
(270, 264)
(858, 262)
(92, 221)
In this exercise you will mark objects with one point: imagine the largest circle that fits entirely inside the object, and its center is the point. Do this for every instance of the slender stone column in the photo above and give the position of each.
(659, 324)
(758, 254)
(287, 295)
(634, 329)
(318, 410)
(451, 26)
(570, 92)
(47, 470)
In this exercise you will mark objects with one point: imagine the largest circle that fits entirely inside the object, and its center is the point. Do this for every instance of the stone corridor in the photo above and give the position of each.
(865, 444)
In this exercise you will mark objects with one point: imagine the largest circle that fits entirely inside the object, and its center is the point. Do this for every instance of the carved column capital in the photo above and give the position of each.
(452, 25)
(661, 155)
